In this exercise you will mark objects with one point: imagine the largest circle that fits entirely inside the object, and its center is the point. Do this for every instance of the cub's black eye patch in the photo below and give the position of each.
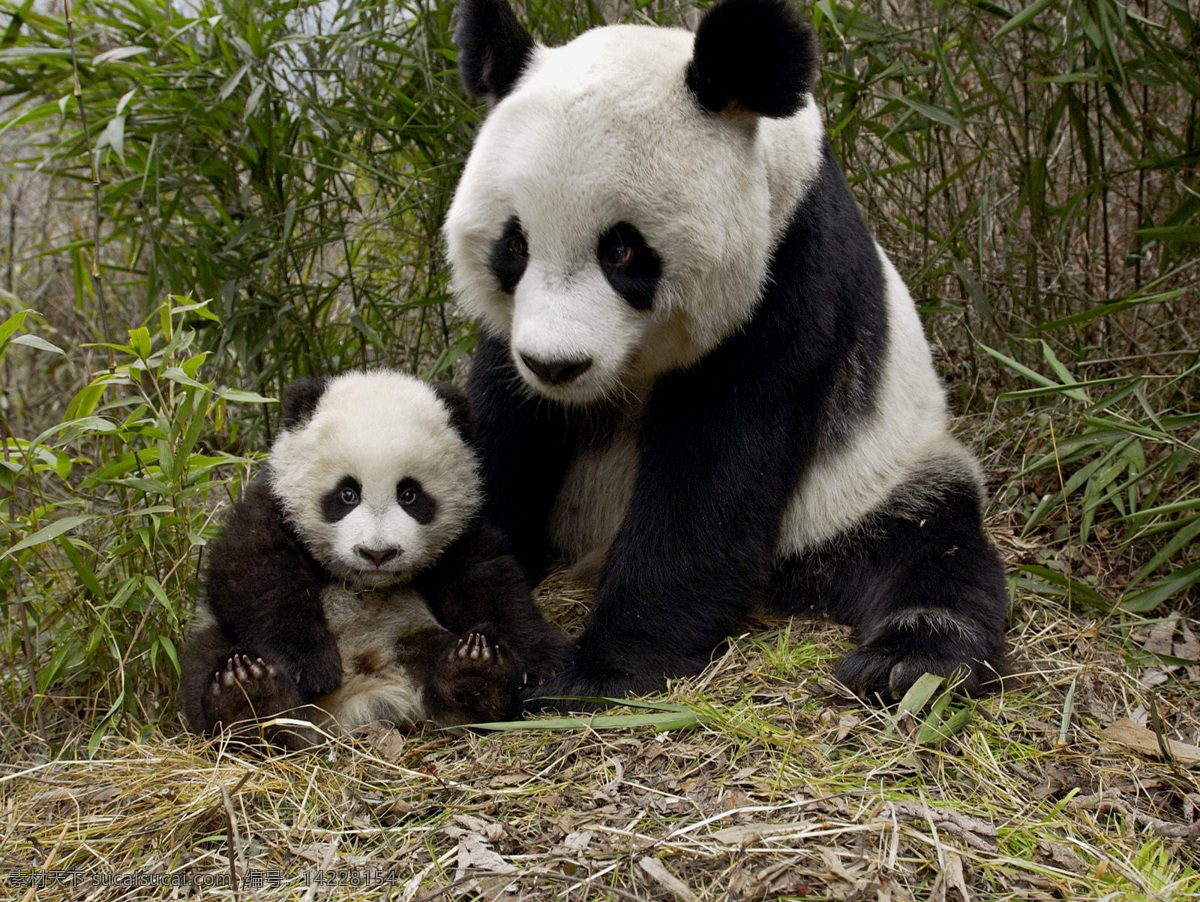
(631, 266)
(416, 503)
(341, 499)
(510, 255)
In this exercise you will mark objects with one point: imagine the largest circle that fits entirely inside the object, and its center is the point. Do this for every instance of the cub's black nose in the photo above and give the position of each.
(376, 556)
(557, 372)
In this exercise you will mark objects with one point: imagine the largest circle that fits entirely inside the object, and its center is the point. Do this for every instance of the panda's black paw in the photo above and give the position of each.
(247, 689)
(477, 680)
(315, 666)
(888, 662)
(574, 690)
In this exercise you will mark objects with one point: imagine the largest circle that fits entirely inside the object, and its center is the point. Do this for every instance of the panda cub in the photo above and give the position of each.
(354, 581)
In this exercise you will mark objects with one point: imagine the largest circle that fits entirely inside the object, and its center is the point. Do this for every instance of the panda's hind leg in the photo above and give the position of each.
(921, 584)
(225, 689)
(477, 679)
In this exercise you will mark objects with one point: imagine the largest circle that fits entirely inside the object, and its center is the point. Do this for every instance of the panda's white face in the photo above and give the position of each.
(377, 482)
(610, 227)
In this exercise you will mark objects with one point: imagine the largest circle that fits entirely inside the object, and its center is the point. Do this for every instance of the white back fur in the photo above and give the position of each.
(379, 427)
(604, 130)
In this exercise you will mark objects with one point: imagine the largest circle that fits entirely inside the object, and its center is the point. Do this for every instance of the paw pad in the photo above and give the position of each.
(475, 647)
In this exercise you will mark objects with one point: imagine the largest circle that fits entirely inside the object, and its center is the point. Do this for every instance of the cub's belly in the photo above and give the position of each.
(369, 627)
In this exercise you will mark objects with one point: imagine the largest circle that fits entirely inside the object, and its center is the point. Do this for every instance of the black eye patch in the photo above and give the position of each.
(341, 499)
(416, 503)
(510, 255)
(631, 266)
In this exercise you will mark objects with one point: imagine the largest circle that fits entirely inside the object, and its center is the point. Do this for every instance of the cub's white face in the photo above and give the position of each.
(609, 226)
(377, 482)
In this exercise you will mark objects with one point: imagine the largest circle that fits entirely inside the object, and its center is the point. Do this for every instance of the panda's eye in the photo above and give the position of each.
(615, 251)
(348, 496)
(510, 255)
(631, 266)
(408, 496)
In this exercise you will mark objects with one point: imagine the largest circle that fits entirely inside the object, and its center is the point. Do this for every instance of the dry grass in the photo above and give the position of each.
(786, 788)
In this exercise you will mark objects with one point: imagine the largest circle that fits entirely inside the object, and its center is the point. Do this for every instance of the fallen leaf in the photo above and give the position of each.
(659, 873)
(833, 862)
(1159, 641)
(474, 854)
(744, 833)
(575, 843)
(1188, 647)
(490, 830)
(949, 877)
(1127, 733)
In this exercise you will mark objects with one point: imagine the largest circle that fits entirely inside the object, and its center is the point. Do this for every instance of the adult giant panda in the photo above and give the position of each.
(695, 360)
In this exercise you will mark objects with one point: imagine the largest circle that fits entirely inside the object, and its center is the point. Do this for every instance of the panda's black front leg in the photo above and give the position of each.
(524, 445)
(694, 553)
(264, 588)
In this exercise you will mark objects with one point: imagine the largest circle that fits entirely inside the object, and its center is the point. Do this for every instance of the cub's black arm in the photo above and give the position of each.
(265, 590)
(477, 582)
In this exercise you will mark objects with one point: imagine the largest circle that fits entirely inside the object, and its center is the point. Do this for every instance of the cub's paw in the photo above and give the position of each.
(887, 663)
(478, 679)
(316, 668)
(248, 689)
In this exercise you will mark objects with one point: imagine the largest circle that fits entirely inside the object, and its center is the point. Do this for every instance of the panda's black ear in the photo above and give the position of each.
(753, 56)
(493, 47)
(299, 401)
(461, 416)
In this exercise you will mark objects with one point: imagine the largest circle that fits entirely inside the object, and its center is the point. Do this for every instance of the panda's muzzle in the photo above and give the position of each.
(377, 556)
(557, 372)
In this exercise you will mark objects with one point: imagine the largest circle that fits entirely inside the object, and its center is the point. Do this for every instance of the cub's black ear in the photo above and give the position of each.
(753, 56)
(299, 401)
(493, 47)
(461, 416)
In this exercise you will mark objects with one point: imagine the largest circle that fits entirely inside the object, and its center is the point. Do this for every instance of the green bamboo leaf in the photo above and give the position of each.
(118, 53)
(1168, 587)
(1186, 234)
(36, 341)
(46, 533)
(239, 396)
(1021, 18)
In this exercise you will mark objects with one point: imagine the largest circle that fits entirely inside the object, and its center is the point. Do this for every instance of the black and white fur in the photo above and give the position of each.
(355, 581)
(695, 362)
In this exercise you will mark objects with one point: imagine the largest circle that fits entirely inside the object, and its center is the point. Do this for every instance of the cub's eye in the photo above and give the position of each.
(348, 496)
(518, 247)
(408, 496)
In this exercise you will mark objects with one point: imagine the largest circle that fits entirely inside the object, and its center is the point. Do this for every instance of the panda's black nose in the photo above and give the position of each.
(556, 372)
(376, 556)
